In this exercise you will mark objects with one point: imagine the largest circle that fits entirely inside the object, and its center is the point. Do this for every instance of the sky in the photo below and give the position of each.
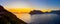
(31, 4)
(40, 4)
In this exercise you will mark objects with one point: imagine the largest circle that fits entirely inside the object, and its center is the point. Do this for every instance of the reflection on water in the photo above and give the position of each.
(25, 17)
(38, 18)
(43, 18)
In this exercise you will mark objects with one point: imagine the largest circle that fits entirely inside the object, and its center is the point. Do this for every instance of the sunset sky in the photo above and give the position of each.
(54, 4)
(17, 6)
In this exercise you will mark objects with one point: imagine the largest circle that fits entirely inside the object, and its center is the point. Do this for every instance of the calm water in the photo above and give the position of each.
(38, 18)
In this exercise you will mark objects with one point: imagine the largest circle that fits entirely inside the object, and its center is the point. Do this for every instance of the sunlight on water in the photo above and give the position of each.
(37, 18)
(24, 17)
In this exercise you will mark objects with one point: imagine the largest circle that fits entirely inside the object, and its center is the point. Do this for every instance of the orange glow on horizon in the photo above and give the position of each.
(20, 10)
(25, 10)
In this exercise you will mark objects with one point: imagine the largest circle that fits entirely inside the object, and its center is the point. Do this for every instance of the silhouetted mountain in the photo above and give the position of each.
(57, 12)
(37, 16)
(54, 15)
(7, 17)
(40, 12)
(36, 12)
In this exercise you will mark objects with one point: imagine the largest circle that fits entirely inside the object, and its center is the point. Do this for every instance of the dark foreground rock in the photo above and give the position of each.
(7, 17)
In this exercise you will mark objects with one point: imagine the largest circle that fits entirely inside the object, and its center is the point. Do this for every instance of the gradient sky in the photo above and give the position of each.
(49, 4)
(30, 3)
